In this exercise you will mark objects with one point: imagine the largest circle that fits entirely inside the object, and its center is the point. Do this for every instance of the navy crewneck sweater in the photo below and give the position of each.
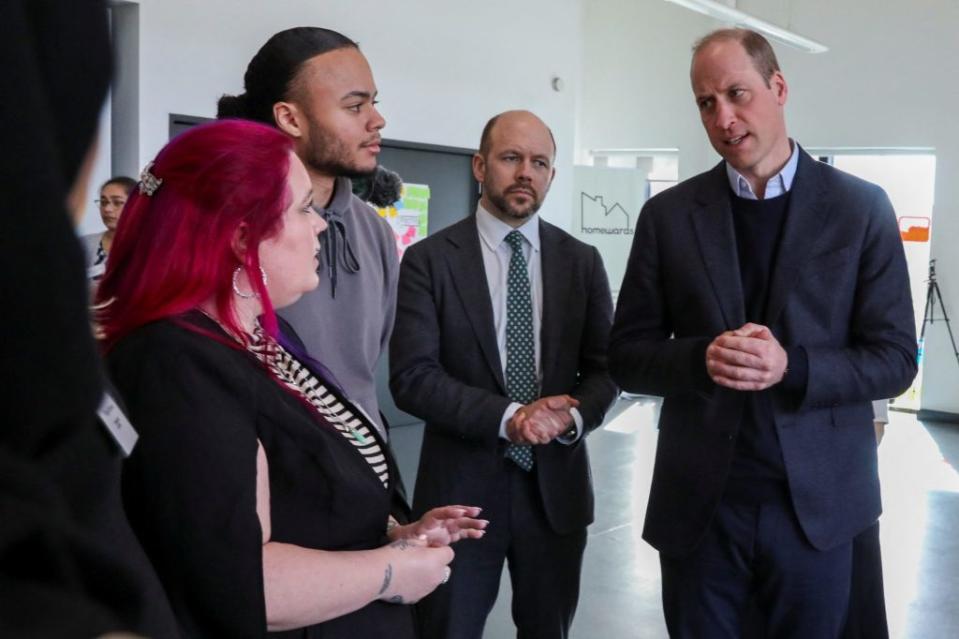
(757, 470)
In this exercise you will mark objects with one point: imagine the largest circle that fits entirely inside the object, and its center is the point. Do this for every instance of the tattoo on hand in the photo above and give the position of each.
(396, 599)
(387, 578)
(400, 544)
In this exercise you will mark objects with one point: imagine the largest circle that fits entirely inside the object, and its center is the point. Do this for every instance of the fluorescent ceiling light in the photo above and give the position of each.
(722, 12)
(643, 152)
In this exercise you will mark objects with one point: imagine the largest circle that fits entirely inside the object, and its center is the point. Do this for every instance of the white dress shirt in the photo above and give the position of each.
(496, 257)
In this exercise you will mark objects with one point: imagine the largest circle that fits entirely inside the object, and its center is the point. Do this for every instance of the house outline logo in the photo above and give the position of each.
(603, 219)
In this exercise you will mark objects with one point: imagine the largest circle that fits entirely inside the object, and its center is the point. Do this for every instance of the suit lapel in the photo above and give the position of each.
(469, 278)
(716, 236)
(804, 218)
(556, 270)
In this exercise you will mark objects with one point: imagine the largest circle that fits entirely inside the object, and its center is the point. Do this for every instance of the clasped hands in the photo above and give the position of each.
(542, 421)
(749, 358)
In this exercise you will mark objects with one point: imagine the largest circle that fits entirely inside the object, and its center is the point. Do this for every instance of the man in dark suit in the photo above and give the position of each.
(500, 347)
(768, 302)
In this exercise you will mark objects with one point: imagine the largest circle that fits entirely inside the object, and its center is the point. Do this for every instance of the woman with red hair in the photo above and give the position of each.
(265, 498)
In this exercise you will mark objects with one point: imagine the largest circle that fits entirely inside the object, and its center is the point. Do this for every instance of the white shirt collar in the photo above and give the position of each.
(493, 231)
(777, 184)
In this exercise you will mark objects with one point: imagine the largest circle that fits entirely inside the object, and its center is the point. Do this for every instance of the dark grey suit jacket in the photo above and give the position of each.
(445, 367)
(839, 289)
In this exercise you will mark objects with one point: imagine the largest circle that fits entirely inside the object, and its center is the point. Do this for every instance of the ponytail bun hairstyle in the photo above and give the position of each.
(272, 73)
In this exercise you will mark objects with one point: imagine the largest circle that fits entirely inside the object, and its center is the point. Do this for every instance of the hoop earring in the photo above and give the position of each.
(236, 287)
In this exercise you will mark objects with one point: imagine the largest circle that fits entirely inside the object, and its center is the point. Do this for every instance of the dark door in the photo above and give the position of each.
(453, 195)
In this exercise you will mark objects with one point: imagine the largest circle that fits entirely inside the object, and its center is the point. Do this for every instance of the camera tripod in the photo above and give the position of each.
(929, 316)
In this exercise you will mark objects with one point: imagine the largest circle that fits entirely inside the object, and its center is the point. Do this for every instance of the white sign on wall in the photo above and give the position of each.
(606, 205)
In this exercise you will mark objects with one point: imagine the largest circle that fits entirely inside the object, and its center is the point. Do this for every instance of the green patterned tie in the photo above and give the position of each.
(521, 384)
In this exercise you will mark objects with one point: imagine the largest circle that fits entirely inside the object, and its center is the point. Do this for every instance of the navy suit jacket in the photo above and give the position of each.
(839, 288)
(445, 368)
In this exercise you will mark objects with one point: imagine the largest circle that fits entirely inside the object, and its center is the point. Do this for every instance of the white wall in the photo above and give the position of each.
(442, 67)
(884, 82)
(635, 88)
(91, 222)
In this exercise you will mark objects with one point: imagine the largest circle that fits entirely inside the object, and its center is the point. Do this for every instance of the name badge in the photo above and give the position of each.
(117, 424)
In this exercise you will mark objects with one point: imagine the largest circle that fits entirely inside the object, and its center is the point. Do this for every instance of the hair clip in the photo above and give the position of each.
(149, 183)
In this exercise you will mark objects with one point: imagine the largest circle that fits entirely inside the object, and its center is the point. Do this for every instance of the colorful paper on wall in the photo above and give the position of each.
(408, 216)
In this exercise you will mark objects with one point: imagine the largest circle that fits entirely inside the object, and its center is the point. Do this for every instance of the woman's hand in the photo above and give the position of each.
(413, 570)
(443, 526)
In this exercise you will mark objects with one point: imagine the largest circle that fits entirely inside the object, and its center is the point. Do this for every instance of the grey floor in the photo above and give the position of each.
(620, 585)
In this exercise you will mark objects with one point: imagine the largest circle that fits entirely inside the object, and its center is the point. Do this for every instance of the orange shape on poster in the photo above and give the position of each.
(914, 229)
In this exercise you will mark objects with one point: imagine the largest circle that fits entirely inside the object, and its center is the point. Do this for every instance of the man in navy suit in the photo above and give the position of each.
(500, 345)
(767, 301)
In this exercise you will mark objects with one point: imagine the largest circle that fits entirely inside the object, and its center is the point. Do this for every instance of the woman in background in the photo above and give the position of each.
(113, 197)
(265, 498)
